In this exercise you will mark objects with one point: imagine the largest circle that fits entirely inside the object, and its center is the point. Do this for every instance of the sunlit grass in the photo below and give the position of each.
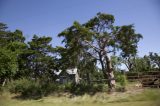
(148, 97)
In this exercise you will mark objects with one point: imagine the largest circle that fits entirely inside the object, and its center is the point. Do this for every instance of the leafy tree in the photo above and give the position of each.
(101, 39)
(109, 38)
(74, 54)
(11, 45)
(14, 42)
(155, 60)
(128, 41)
(39, 58)
(8, 65)
(142, 64)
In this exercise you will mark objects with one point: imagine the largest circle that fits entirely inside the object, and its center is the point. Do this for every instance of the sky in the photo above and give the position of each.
(50, 17)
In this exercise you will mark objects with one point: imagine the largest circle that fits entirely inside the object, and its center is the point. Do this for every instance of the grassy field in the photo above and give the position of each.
(138, 97)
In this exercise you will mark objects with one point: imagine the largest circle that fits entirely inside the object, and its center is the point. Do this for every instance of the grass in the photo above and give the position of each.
(139, 97)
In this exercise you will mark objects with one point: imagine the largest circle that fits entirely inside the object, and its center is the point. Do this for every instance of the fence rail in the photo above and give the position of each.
(147, 79)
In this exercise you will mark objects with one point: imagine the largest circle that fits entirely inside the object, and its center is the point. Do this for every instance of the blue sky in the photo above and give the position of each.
(49, 17)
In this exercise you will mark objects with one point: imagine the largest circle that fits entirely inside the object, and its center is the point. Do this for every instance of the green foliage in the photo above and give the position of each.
(11, 46)
(99, 38)
(39, 59)
(86, 45)
(142, 64)
(8, 64)
(122, 80)
(17, 47)
(155, 60)
(127, 40)
(30, 88)
(88, 88)
(68, 87)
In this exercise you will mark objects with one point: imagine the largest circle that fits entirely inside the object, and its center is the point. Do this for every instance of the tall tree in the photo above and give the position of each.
(39, 58)
(11, 45)
(74, 52)
(101, 39)
(8, 65)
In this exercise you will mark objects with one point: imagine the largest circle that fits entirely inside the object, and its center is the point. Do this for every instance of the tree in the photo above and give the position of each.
(155, 60)
(142, 64)
(128, 41)
(11, 44)
(14, 42)
(74, 54)
(8, 65)
(101, 39)
(40, 61)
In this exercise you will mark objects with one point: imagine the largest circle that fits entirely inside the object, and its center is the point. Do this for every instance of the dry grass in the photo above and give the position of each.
(138, 97)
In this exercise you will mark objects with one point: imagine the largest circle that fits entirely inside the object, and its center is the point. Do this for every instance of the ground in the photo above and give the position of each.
(132, 97)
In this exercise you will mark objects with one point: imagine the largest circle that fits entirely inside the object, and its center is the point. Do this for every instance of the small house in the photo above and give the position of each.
(70, 75)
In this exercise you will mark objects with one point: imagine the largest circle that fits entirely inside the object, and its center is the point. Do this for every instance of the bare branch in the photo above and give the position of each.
(94, 47)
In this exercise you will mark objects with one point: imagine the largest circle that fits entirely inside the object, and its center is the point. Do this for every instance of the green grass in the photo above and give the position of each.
(139, 97)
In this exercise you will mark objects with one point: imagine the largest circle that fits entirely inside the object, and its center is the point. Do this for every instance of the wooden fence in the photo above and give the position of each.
(147, 79)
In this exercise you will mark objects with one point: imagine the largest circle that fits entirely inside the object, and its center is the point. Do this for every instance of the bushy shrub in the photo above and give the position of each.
(18, 86)
(121, 78)
(30, 88)
(68, 86)
(48, 88)
(100, 87)
(87, 88)
(81, 88)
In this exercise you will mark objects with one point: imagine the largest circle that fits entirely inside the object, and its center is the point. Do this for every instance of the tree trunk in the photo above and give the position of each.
(4, 82)
(102, 65)
(111, 79)
(77, 78)
(107, 71)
